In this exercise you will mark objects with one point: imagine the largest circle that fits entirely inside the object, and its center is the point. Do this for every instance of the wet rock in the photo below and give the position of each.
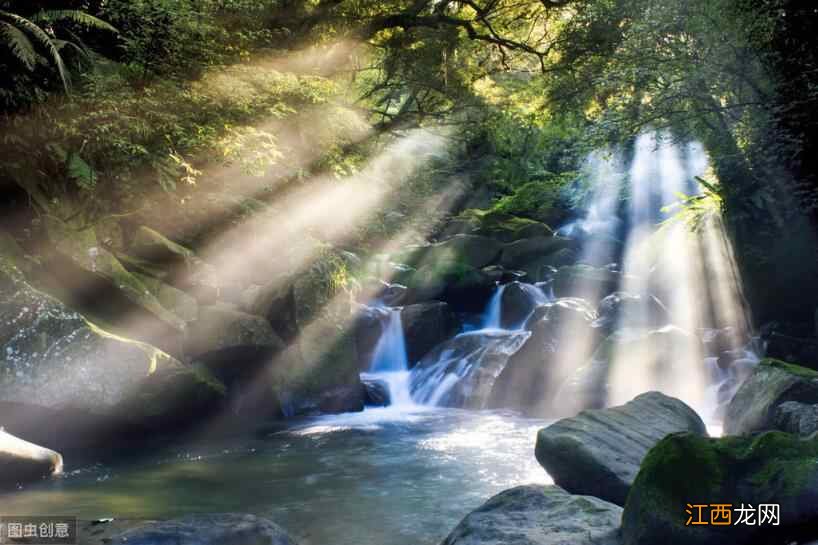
(684, 468)
(223, 326)
(465, 288)
(376, 392)
(342, 399)
(368, 327)
(212, 529)
(461, 372)
(426, 325)
(598, 452)
(53, 357)
(23, 462)
(632, 309)
(585, 281)
(522, 253)
(517, 303)
(797, 418)
(539, 515)
(530, 380)
(772, 383)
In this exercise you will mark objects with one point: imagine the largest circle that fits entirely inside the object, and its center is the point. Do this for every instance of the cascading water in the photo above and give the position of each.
(389, 361)
(692, 273)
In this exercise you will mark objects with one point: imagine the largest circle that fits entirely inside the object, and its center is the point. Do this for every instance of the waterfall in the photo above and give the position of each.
(530, 295)
(692, 273)
(491, 317)
(389, 361)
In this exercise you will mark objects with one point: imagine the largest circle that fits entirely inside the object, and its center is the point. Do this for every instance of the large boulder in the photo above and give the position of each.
(562, 338)
(521, 253)
(772, 383)
(465, 288)
(222, 327)
(585, 281)
(598, 452)
(685, 470)
(539, 515)
(211, 529)
(55, 358)
(517, 303)
(93, 281)
(426, 325)
(472, 250)
(23, 462)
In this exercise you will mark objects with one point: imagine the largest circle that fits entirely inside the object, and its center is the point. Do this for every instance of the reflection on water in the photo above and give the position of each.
(372, 478)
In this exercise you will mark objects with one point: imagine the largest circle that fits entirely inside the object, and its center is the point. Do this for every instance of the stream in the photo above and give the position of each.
(371, 478)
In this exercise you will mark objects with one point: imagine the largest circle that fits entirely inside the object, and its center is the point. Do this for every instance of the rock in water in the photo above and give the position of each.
(376, 392)
(769, 468)
(772, 383)
(537, 515)
(598, 452)
(22, 462)
(216, 529)
(425, 325)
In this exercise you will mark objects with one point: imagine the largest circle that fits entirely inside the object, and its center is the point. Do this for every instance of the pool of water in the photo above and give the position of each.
(381, 477)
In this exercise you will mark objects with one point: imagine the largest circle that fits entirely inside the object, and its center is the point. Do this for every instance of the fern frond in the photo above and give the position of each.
(20, 45)
(75, 16)
(45, 40)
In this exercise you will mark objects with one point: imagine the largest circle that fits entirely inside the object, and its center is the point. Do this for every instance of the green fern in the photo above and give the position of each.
(17, 32)
(20, 45)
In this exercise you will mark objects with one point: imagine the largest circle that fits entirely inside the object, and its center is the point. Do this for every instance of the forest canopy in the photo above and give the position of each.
(112, 98)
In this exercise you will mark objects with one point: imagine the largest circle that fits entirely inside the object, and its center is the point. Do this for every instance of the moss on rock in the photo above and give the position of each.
(770, 468)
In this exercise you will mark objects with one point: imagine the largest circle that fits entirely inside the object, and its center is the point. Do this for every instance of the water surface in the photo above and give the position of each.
(381, 477)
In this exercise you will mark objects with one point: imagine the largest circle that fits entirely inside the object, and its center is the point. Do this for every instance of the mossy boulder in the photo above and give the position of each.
(175, 300)
(154, 247)
(465, 288)
(54, 357)
(500, 226)
(797, 418)
(522, 253)
(598, 452)
(120, 300)
(686, 468)
(472, 250)
(222, 327)
(586, 281)
(539, 515)
(772, 383)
